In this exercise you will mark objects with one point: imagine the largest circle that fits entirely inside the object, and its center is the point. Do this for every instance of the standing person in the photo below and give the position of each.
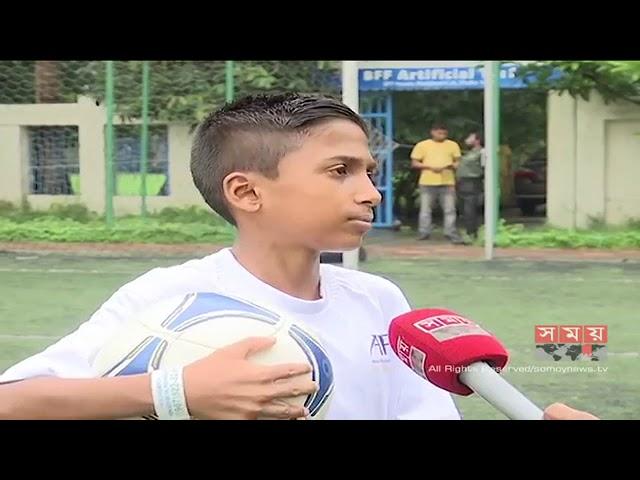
(437, 158)
(470, 175)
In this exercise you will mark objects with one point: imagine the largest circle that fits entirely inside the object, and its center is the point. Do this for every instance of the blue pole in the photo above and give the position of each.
(389, 163)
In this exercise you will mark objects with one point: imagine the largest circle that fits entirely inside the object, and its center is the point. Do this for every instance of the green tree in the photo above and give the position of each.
(180, 90)
(630, 68)
(187, 90)
(613, 80)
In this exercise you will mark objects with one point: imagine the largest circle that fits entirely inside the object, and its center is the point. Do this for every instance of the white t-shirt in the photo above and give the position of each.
(351, 319)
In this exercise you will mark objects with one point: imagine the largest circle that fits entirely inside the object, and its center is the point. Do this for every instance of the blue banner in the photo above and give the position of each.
(434, 78)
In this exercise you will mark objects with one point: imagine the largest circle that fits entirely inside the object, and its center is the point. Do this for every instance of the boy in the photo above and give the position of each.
(293, 174)
(437, 159)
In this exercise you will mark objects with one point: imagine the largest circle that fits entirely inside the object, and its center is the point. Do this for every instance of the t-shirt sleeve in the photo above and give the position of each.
(71, 356)
(418, 152)
(415, 397)
(455, 150)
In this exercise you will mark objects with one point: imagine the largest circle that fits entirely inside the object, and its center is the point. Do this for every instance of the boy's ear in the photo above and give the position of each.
(241, 193)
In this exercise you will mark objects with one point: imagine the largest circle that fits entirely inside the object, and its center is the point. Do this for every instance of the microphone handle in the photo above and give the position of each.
(491, 386)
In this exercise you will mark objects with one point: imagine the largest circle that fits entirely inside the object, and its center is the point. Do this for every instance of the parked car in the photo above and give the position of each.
(530, 184)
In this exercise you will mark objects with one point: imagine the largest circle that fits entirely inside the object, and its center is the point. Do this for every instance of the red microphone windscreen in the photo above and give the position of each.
(437, 344)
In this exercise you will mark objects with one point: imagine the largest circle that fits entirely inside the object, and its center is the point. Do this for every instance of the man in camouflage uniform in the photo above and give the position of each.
(469, 176)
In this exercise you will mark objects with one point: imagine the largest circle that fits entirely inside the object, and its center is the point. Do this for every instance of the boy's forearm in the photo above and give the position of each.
(59, 398)
(418, 165)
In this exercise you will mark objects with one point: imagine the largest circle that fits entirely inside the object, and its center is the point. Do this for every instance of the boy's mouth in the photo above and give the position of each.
(368, 218)
(363, 223)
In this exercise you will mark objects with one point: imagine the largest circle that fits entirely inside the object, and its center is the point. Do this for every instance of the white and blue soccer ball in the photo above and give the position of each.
(181, 330)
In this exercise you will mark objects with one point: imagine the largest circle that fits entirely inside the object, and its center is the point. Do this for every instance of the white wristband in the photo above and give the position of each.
(167, 390)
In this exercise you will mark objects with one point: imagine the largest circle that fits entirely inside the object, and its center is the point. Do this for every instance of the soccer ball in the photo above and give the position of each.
(181, 330)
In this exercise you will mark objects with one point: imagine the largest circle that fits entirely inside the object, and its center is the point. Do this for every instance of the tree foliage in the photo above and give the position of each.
(613, 80)
(180, 90)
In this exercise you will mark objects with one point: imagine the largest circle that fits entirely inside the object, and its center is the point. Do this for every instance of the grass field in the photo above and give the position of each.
(44, 297)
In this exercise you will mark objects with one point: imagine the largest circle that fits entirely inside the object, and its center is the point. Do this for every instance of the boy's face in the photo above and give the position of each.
(439, 134)
(323, 198)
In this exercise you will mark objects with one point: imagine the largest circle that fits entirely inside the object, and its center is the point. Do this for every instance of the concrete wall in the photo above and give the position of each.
(594, 161)
(90, 120)
(622, 170)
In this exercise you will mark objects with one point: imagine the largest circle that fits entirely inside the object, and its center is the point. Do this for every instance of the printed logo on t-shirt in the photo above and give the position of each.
(379, 348)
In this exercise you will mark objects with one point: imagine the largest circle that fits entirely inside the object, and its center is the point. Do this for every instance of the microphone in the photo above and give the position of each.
(457, 355)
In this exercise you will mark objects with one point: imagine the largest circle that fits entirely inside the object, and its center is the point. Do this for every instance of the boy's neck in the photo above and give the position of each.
(296, 273)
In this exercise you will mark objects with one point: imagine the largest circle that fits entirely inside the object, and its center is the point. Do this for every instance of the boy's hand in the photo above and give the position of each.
(560, 411)
(226, 385)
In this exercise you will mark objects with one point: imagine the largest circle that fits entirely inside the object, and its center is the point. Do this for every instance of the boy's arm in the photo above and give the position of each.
(456, 155)
(59, 398)
(418, 165)
(417, 157)
(223, 385)
(59, 382)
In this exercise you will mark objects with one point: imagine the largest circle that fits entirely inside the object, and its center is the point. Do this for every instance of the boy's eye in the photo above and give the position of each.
(341, 170)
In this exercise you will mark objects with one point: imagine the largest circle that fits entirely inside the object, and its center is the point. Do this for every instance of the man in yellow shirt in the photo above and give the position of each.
(437, 159)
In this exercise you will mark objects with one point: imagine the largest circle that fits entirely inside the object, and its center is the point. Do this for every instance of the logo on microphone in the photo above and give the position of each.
(445, 327)
(575, 342)
(412, 356)
(427, 325)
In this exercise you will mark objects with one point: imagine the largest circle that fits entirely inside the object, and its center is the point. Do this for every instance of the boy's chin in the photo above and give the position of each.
(344, 245)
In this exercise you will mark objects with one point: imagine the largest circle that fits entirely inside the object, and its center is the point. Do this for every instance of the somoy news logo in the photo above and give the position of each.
(574, 342)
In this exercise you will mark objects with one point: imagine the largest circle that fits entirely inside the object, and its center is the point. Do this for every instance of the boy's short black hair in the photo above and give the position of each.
(253, 134)
(479, 135)
(439, 126)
